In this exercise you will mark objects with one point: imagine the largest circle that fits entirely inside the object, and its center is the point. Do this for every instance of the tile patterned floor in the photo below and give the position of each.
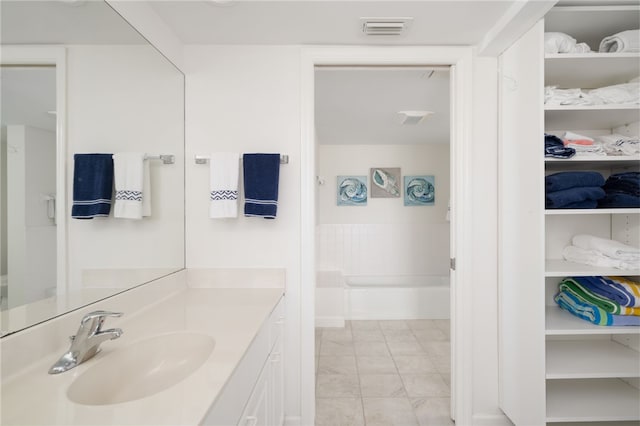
(377, 373)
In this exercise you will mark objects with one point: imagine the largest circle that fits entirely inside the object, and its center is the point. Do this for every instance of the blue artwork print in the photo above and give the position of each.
(352, 190)
(419, 190)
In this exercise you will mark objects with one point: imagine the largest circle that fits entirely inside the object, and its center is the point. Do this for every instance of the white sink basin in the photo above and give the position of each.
(141, 369)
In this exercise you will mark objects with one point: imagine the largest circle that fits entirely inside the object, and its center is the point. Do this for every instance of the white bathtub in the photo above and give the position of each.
(396, 297)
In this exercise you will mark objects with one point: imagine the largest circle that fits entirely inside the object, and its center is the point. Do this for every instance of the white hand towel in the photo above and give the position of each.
(595, 258)
(128, 172)
(223, 171)
(625, 41)
(146, 190)
(611, 248)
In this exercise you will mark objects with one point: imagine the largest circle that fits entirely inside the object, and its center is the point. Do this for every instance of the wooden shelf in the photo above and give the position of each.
(589, 117)
(561, 323)
(590, 211)
(564, 268)
(592, 400)
(596, 161)
(590, 70)
(579, 359)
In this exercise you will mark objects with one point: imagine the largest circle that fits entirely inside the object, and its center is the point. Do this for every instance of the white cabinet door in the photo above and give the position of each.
(277, 385)
(257, 411)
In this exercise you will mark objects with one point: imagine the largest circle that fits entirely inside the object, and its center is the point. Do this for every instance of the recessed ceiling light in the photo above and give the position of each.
(413, 117)
(385, 26)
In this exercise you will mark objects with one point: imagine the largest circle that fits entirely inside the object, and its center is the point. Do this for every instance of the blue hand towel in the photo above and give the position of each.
(619, 201)
(92, 185)
(261, 177)
(562, 199)
(566, 180)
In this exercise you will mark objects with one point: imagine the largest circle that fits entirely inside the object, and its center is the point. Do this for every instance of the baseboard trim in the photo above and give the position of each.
(292, 421)
(491, 420)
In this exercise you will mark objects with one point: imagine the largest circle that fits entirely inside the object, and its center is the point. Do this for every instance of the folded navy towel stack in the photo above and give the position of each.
(261, 174)
(622, 191)
(92, 185)
(573, 190)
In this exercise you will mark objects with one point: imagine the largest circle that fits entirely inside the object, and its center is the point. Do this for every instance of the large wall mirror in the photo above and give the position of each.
(76, 78)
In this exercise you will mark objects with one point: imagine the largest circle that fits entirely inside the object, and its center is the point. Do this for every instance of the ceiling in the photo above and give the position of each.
(28, 94)
(451, 22)
(64, 22)
(360, 105)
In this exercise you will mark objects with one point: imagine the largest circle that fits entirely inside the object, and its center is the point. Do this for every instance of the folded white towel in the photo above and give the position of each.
(563, 43)
(128, 173)
(223, 173)
(595, 258)
(625, 41)
(611, 248)
(626, 93)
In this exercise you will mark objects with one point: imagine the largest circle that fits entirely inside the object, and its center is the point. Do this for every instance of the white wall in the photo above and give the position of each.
(247, 98)
(31, 174)
(3, 200)
(410, 239)
(126, 98)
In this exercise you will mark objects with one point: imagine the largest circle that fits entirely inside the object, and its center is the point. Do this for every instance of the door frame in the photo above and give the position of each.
(460, 61)
(55, 56)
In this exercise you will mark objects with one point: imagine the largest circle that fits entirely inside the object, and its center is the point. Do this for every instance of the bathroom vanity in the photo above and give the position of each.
(229, 338)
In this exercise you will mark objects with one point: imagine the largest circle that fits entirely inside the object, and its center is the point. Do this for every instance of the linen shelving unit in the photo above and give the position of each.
(592, 373)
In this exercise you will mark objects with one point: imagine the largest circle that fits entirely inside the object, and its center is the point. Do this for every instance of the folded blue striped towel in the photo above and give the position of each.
(261, 174)
(609, 288)
(586, 311)
(92, 185)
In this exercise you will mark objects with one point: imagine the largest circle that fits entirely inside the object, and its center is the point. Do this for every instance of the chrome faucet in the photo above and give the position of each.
(86, 342)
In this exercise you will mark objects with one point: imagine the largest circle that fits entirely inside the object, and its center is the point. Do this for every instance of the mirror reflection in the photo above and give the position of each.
(112, 93)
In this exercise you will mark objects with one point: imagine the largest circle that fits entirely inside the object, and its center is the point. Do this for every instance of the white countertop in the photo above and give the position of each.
(232, 317)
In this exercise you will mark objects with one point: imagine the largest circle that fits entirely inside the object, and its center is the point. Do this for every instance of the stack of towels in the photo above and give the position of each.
(624, 41)
(622, 191)
(602, 252)
(616, 144)
(573, 190)
(584, 145)
(609, 301)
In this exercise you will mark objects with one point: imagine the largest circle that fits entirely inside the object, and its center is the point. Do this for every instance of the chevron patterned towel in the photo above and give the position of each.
(128, 170)
(223, 182)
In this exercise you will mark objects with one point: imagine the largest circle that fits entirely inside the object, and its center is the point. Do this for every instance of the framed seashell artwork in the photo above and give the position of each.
(385, 182)
(352, 190)
(419, 190)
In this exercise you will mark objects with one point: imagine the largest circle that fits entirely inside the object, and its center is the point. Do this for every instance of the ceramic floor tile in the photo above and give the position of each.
(337, 334)
(337, 386)
(382, 385)
(393, 325)
(442, 363)
(376, 365)
(432, 411)
(371, 349)
(339, 412)
(329, 347)
(431, 335)
(405, 347)
(343, 364)
(364, 325)
(388, 412)
(437, 349)
(366, 335)
(447, 378)
(414, 364)
(422, 324)
(443, 324)
(425, 385)
(390, 333)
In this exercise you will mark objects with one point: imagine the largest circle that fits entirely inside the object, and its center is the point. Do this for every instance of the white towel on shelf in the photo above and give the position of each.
(616, 144)
(555, 42)
(611, 248)
(625, 41)
(595, 258)
(223, 172)
(128, 173)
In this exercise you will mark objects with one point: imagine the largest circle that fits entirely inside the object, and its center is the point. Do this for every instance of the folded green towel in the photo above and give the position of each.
(574, 286)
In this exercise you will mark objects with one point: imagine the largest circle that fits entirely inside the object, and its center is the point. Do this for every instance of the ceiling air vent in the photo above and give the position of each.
(385, 26)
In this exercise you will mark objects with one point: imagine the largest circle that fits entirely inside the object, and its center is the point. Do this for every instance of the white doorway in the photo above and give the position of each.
(459, 61)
